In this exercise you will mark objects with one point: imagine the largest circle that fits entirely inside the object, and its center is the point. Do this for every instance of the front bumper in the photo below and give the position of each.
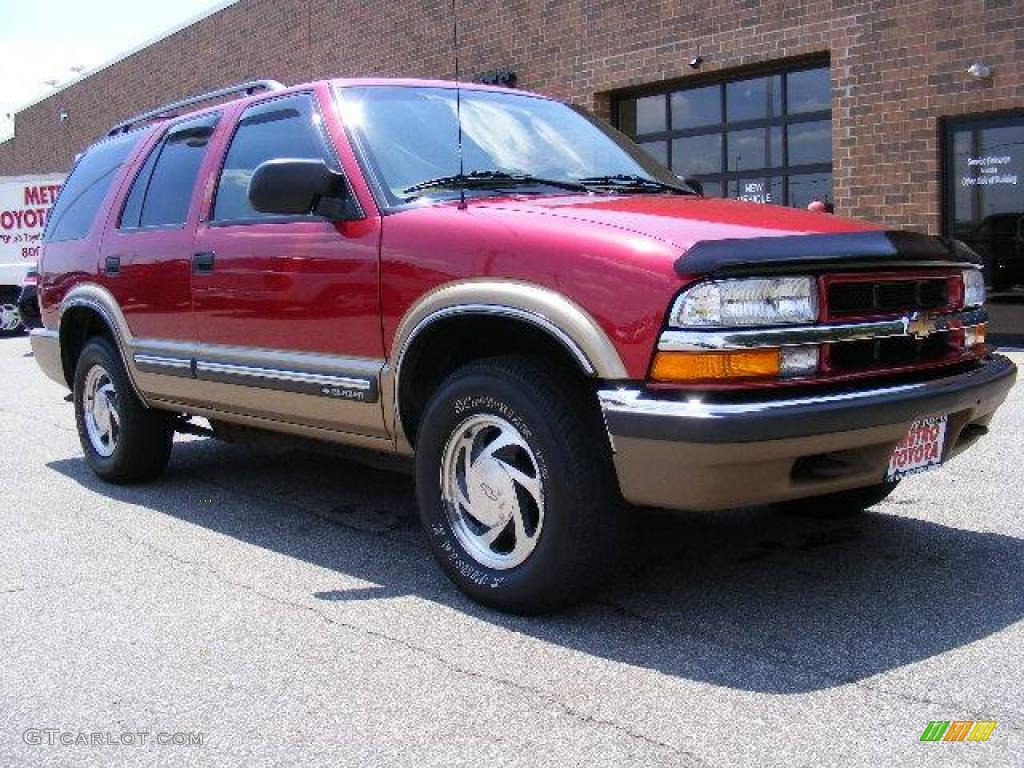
(689, 454)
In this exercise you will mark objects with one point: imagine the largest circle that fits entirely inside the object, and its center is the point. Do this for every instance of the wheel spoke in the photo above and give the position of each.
(531, 484)
(523, 543)
(505, 439)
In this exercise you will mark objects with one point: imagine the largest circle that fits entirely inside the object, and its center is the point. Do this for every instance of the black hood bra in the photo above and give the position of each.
(803, 253)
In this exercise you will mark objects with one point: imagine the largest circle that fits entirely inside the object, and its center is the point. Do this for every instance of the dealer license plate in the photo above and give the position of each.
(920, 450)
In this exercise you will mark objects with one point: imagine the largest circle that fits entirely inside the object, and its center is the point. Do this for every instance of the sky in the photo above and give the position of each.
(42, 40)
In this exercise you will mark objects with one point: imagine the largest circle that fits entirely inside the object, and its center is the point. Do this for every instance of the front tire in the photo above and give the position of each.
(836, 506)
(516, 487)
(123, 440)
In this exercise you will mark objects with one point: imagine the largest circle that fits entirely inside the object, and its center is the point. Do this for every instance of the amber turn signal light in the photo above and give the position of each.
(711, 366)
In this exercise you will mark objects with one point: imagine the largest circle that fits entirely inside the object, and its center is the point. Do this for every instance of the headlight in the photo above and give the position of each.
(745, 302)
(974, 288)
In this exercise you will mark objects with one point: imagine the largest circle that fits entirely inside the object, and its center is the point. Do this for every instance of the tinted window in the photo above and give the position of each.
(656, 149)
(87, 186)
(754, 148)
(694, 155)
(810, 142)
(809, 90)
(753, 99)
(752, 137)
(696, 107)
(285, 127)
(132, 211)
(162, 191)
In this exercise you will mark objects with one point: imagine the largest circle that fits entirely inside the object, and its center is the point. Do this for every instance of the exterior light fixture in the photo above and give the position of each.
(980, 70)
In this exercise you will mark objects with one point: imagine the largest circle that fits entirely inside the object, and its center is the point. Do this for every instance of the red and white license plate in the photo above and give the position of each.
(920, 450)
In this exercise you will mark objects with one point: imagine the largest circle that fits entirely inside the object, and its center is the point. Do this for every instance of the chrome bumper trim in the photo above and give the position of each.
(917, 324)
(634, 413)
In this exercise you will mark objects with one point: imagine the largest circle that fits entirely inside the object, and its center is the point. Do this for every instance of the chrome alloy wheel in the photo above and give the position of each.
(99, 411)
(10, 317)
(492, 491)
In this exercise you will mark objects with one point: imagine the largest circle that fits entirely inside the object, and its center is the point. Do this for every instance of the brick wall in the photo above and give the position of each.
(896, 68)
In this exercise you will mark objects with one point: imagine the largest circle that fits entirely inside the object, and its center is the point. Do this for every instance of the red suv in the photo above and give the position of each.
(510, 291)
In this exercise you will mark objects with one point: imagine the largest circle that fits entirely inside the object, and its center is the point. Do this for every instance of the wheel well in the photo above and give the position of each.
(77, 326)
(451, 342)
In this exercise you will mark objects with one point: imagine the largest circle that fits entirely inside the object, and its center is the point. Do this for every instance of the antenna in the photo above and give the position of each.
(458, 104)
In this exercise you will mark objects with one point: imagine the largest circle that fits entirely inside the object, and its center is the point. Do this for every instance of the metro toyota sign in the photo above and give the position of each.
(25, 202)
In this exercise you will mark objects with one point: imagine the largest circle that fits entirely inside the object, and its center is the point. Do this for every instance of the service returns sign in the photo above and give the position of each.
(25, 202)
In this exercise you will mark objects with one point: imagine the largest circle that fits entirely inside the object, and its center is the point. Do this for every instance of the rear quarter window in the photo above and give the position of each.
(87, 187)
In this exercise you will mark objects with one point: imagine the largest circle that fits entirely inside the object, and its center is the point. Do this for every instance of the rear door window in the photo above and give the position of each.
(287, 127)
(162, 191)
(87, 187)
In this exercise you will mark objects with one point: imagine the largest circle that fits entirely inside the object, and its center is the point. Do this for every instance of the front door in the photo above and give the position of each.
(984, 207)
(286, 307)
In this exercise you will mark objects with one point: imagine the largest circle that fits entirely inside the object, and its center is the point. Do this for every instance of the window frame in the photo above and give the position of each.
(104, 205)
(155, 151)
(332, 158)
(783, 170)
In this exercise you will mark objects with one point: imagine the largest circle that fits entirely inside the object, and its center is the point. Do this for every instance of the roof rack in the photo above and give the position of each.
(248, 89)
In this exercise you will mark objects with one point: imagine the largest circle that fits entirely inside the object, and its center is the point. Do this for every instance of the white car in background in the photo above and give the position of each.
(11, 278)
(25, 202)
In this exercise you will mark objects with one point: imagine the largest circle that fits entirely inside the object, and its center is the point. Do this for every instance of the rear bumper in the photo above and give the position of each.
(46, 350)
(695, 455)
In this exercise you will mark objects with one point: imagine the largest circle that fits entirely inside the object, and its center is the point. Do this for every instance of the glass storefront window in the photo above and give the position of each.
(755, 99)
(983, 182)
(696, 155)
(656, 149)
(810, 143)
(809, 90)
(696, 107)
(807, 188)
(754, 148)
(773, 130)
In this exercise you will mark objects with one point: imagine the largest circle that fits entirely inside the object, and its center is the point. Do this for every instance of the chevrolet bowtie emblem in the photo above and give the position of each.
(920, 325)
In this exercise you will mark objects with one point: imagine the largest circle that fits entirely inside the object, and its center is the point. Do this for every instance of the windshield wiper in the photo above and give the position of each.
(496, 179)
(625, 181)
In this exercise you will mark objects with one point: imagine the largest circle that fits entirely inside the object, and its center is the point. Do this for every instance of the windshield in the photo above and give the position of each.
(409, 136)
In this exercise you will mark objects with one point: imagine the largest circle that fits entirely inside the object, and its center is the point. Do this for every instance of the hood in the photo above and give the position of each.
(682, 221)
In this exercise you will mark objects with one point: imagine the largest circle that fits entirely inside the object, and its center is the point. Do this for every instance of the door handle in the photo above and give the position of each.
(112, 265)
(202, 263)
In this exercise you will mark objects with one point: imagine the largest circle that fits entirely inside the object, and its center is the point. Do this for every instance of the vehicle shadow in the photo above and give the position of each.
(743, 599)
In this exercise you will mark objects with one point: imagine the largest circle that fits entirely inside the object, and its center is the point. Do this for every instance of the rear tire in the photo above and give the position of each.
(835, 506)
(516, 489)
(123, 440)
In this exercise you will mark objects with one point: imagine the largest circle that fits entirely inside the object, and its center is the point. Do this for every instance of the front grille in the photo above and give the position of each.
(891, 352)
(865, 298)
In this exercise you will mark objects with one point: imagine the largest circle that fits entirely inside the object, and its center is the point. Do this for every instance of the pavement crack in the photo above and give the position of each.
(537, 693)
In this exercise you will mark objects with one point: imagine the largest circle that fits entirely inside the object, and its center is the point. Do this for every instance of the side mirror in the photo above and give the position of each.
(695, 185)
(301, 186)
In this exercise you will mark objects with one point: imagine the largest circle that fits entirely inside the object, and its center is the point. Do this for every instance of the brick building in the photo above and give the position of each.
(869, 105)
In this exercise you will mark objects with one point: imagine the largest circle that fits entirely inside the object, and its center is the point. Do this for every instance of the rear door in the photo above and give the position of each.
(146, 255)
(286, 307)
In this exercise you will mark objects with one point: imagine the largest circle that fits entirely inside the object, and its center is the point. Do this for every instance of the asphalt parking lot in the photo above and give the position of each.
(283, 609)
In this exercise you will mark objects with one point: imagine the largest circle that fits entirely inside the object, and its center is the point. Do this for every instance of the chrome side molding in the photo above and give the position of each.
(363, 390)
